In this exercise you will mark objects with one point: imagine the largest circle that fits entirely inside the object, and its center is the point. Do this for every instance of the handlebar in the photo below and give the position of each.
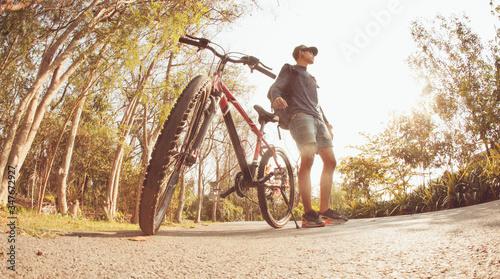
(252, 62)
(200, 43)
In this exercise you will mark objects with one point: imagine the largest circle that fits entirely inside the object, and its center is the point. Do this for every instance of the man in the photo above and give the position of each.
(311, 134)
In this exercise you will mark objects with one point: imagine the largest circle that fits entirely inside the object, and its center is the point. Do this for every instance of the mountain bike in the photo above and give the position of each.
(179, 143)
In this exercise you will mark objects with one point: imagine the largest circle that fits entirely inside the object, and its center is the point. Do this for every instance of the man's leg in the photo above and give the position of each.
(326, 180)
(303, 131)
(307, 153)
(328, 215)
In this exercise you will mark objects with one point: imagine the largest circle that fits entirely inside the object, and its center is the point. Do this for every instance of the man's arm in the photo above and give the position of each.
(328, 125)
(280, 86)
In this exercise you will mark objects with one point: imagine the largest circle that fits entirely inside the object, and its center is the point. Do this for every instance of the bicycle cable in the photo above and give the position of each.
(248, 198)
(215, 56)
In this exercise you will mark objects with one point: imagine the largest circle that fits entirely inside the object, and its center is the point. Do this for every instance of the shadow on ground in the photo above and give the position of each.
(262, 230)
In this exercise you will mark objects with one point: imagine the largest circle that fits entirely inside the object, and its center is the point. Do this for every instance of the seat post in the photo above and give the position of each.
(262, 125)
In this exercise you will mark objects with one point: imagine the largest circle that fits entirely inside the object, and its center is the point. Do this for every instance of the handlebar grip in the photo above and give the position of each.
(265, 72)
(189, 42)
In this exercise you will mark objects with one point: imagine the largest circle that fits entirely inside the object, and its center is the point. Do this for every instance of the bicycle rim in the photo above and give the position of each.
(273, 207)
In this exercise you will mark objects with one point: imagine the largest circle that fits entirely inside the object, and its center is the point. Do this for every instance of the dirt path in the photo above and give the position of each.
(458, 243)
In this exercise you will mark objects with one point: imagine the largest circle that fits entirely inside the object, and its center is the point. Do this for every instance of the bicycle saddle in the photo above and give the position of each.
(265, 116)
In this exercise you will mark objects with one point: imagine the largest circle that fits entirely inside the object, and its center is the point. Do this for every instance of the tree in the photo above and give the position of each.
(362, 177)
(89, 79)
(74, 39)
(54, 38)
(459, 73)
(148, 47)
(389, 160)
(64, 169)
(10, 6)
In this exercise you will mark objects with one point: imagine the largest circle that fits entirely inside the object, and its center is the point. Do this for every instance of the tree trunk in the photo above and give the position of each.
(4, 156)
(215, 204)
(182, 200)
(138, 192)
(51, 159)
(62, 206)
(113, 183)
(126, 124)
(110, 204)
(14, 145)
(200, 194)
(216, 193)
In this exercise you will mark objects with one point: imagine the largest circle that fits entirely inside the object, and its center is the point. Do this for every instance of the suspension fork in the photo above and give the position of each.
(208, 115)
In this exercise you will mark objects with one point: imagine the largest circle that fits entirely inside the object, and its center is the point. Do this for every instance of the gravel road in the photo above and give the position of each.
(457, 243)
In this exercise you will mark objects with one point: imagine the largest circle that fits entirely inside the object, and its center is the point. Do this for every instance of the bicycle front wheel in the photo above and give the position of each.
(171, 150)
(281, 184)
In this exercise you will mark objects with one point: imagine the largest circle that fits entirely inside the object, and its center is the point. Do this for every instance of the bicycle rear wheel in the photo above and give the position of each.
(169, 155)
(273, 207)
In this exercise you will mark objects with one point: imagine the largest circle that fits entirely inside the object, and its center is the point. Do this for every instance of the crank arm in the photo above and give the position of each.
(264, 179)
(228, 192)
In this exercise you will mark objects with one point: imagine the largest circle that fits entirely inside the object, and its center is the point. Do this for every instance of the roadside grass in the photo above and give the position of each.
(32, 223)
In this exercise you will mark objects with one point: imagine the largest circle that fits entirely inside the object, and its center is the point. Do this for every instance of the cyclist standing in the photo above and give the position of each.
(310, 132)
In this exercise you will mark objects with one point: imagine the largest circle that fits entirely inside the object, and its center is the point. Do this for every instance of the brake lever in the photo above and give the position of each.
(269, 68)
(250, 61)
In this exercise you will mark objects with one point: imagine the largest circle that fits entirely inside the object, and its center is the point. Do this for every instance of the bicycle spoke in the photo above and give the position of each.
(280, 184)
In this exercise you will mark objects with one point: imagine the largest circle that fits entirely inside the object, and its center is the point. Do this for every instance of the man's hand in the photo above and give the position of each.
(280, 103)
(330, 128)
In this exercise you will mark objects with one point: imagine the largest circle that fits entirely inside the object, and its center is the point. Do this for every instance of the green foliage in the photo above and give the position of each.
(361, 177)
(231, 211)
(298, 211)
(337, 198)
(477, 183)
(460, 132)
(460, 77)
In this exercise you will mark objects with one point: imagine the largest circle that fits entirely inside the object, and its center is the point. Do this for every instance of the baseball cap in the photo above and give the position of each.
(295, 53)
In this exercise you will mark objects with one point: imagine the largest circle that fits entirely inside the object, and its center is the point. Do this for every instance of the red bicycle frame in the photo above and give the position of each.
(224, 98)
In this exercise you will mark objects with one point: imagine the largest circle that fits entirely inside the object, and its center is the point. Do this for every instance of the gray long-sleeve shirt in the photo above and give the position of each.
(304, 93)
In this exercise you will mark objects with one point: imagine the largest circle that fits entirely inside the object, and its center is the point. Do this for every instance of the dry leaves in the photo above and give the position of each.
(139, 238)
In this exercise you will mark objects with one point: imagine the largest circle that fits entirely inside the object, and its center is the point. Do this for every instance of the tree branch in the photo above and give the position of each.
(9, 6)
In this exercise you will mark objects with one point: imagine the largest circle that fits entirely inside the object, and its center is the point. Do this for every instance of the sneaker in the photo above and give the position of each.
(331, 217)
(311, 219)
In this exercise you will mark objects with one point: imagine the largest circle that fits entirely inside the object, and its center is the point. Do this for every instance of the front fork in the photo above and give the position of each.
(208, 115)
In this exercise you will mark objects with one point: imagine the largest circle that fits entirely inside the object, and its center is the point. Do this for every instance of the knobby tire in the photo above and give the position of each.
(168, 157)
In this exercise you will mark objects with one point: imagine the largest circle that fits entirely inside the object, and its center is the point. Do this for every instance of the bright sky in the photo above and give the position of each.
(360, 67)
